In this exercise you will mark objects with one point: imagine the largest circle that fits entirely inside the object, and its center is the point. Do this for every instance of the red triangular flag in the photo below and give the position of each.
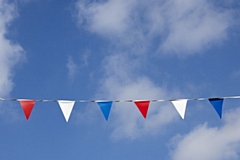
(143, 107)
(27, 106)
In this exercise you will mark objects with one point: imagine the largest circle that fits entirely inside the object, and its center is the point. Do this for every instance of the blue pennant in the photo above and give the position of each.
(217, 104)
(105, 107)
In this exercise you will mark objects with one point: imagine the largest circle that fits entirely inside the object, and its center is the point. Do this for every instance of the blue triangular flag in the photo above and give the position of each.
(217, 104)
(105, 107)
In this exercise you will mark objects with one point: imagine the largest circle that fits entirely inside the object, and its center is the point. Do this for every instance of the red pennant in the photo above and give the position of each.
(27, 106)
(143, 107)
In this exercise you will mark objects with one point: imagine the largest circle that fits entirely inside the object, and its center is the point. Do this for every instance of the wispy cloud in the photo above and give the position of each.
(85, 58)
(10, 53)
(120, 82)
(72, 68)
(136, 29)
(182, 27)
(210, 143)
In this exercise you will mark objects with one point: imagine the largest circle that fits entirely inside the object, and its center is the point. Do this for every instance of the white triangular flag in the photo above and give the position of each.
(66, 107)
(180, 106)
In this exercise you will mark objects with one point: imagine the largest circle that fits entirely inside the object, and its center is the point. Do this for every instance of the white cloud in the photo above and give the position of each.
(121, 83)
(72, 68)
(10, 53)
(211, 143)
(175, 26)
(180, 26)
(194, 25)
(106, 17)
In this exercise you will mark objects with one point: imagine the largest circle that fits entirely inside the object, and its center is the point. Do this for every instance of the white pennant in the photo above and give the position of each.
(180, 106)
(66, 107)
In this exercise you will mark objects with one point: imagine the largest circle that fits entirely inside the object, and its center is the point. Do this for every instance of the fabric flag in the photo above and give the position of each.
(143, 107)
(66, 107)
(217, 104)
(105, 108)
(27, 106)
(180, 106)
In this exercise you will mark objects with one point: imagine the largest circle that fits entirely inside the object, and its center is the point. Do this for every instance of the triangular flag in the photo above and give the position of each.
(217, 104)
(180, 106)
(105, 108)
(66, 107)
(143, 107)
(27, 106)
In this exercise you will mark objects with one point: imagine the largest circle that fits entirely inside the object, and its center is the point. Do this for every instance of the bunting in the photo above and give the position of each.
(217, 105)
(105, 108)
(180, 106)
(27, 106)
(66, 106)
(143, 107)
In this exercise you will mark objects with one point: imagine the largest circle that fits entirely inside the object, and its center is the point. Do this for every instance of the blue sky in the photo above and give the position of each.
(83, 49)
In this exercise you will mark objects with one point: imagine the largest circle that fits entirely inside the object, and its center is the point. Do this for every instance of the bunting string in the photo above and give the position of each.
(67, 106)
(116, 101)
